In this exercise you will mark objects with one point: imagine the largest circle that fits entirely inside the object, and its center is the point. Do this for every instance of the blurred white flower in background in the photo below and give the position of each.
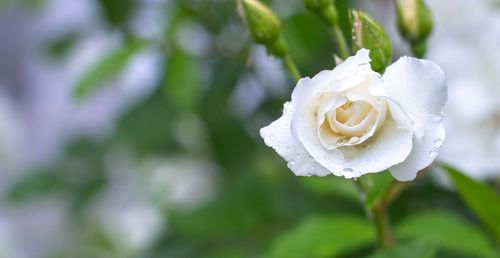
(134, 208)
(465, 44)
(182, 182)
(124, 211)
(10, 134)
(33, 230)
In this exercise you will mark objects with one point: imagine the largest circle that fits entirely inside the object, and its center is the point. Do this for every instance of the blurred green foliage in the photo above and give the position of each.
(183, 79)
(482, 200)
(108, 67)
(324, 237)
(448, 232)
(117, 12)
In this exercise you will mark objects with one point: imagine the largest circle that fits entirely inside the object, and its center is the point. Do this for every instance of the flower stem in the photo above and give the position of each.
(341, 42)
(385, 236)
(291, 67)
(378, 213)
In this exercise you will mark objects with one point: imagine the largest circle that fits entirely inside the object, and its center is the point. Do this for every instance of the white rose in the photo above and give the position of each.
(350, 121)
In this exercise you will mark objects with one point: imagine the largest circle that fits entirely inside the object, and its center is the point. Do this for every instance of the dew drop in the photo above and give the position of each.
(433, 153)
(438, 143)
(348, 170)
(436, 117)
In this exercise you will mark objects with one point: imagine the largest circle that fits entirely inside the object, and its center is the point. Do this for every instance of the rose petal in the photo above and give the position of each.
(425, 150)
(390, 145)
(350, 73)
(278, 135)
(419, 87)
(328, 136)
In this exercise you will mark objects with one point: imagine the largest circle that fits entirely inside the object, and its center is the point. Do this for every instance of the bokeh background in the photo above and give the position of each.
(129, 128)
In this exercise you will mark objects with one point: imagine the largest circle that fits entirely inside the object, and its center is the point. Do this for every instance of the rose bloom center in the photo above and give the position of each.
(348, 123)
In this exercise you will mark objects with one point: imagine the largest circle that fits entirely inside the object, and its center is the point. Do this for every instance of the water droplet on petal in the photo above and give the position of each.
(433, 153)
(438, 143)
(347, 170)
(437, 117)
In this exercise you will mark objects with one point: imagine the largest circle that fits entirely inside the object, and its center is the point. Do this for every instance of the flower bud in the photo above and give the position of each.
(278, 48)
(414, 19)
(325, 10)
(262, 23)
(418, 48)
(367, 33)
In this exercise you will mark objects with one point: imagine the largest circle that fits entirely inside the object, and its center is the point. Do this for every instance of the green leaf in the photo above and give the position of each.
(482, 200)
(183, 82)
(36, 185)
(117, 12)
(448, 232)
(61, 46)
(108, 67)
(318, 237)
(416, 249)
(378, 185)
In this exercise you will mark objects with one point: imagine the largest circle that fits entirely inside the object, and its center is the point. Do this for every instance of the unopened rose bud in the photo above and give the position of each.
(414, 19)
(262, 23)
(419, 48)
(325, 10)
(367, 33)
